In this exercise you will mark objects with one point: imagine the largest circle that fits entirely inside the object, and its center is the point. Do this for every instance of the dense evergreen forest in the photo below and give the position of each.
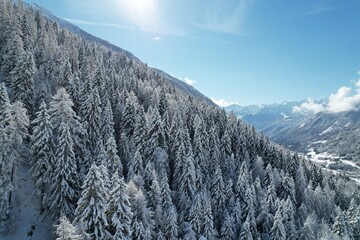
(116, 151)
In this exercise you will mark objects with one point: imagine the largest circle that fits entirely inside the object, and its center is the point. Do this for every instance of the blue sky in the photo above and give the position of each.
(245, 51)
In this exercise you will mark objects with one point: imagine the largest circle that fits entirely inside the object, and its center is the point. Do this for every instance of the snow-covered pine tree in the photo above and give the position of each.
(114, 163)
(155, 134)
(341, 226)
(107, 121)
(61, 112)
(184, 172)
(353, 218)
(64, 181)
(165, 194)
(16, 132)
(4, 106)
(218, 195)
(278, 231)
(208, 231)
(170, 223)
(246, 232)
(66, 231)
(11, 50)
(227, 228)
(90, 212)
(308, 231)
(154, 196)
(136, 166)
(119, 209)
(91, 117)
(22, 79)
(140, 131)
(5, 176)
(143, 223)
(42, 153)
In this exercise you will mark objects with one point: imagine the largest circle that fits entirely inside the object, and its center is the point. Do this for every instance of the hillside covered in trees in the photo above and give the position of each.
(117, 151)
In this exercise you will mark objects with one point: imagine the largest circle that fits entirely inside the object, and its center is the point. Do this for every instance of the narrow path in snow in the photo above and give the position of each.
(28, 223)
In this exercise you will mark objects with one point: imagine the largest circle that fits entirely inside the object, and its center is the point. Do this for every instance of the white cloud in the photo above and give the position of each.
(345, 99)
(225, 16)
(309, 106)
(222, 102)
(97, 24)
(187, 80)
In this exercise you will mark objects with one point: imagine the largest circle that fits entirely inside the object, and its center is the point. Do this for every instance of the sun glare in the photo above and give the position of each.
(143, 13)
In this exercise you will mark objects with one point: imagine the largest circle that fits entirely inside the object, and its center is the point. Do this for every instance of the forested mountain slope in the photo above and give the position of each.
(117, 151)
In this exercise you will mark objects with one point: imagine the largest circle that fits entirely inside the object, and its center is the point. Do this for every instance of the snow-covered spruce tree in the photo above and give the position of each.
(5, 177)
(114, 164)
(218, 195)
(119, 209)
(4, 106)
(136, 166)
(245, 232)
(308, 230)
(91, 117)
(107, 121)
(195, 216)
(99, 81)
(170, 223)
(90, 212)
(66, 231)
(341, 226)
(61, 112)
(155, 134)
(64, 181)
(209, 231)
(11, 50)
(22, 79)
(278, 231)
(184, 172)
(129, 114)
(6, 186)
(353, 216)
(140, 131)
(42, 153)
(13, 131)
(165, 194)
(154, 196)
(17, 132)
(142, 221)
(227, 228)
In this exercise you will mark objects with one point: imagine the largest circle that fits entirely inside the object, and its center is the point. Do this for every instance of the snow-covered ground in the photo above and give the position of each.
(26, 211)
(329, 129)
(326, 159)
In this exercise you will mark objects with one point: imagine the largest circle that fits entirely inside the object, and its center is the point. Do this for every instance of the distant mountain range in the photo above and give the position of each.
(331, 140)
(336, 133)
(264, 116)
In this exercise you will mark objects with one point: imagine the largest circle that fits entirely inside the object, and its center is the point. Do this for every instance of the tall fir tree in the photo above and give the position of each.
(278, 231)
(66, 231)
(64, 181)
(42, 153)
(90, 212)
(119, 210)
(22, 80)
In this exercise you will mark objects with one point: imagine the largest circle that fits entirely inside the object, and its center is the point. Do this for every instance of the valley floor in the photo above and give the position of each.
(336, 164)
